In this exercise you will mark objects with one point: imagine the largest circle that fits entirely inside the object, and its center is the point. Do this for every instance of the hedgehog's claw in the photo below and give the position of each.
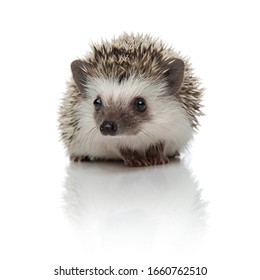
(79, 158)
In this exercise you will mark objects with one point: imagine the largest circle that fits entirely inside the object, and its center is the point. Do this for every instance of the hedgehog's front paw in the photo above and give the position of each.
(158, 160)
(136, 162)
(155, 154)
(79, 158)
(148, 161)
(133, 158)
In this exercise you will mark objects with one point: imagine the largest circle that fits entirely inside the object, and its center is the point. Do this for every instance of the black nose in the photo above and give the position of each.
(108, 128)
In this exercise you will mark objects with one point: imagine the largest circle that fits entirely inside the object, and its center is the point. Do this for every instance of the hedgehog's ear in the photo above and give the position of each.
(175, 75)
(79, 73)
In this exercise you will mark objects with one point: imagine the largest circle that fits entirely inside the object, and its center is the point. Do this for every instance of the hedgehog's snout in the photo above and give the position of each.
(108, 128)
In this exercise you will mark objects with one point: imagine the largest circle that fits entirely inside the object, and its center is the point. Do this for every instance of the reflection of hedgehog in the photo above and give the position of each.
(132, 99)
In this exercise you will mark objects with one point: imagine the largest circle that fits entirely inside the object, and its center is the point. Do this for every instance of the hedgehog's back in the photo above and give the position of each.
(129, 55)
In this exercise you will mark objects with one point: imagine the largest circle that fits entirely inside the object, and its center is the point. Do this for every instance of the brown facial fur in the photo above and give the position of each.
(128, 120)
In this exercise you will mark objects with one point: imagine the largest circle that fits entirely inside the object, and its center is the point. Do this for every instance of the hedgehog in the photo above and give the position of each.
(132, 99)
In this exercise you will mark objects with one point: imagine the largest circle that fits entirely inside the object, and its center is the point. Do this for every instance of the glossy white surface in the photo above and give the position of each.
(201, 211)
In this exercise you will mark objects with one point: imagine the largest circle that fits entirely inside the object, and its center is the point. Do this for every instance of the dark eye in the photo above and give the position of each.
(97, 103)
(140, 105)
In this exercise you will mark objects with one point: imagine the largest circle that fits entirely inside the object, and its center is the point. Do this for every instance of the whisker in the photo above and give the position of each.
(149, 135)
(88, 137)
(159, 125)
(92, 136)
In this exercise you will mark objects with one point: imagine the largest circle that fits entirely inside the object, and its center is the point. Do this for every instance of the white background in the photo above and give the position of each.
(203, 211)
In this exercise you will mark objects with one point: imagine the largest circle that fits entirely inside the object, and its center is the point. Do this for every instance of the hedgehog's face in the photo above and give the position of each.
(116, 119)
(119, 108)
(129, 105)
